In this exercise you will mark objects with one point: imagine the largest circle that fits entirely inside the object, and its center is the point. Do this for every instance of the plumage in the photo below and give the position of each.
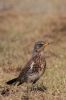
(35, 67)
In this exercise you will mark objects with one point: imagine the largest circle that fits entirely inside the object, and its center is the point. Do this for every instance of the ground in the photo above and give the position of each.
(18, 33)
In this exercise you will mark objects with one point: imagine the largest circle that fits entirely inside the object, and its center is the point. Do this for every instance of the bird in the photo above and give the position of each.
(34, 68)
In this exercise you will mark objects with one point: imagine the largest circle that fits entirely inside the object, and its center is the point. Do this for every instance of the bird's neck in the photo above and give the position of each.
(37, 53)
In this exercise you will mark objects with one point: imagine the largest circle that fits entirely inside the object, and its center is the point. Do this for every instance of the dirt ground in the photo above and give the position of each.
(18, 33)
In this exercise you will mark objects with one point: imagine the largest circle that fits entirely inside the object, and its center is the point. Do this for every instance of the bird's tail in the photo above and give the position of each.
(13, 81)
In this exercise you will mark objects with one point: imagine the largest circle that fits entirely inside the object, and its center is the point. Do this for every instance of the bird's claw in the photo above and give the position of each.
(38, 88)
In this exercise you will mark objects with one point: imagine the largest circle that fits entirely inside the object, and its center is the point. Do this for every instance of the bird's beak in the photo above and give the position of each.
(46, 44)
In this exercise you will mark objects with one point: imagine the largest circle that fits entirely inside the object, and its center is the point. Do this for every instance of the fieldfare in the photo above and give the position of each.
(35, 67)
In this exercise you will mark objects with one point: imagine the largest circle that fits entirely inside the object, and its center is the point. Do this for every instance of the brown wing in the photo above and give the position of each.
(25, 69)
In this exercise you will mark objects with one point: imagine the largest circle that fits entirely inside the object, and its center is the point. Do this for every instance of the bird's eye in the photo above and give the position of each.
(40, 45)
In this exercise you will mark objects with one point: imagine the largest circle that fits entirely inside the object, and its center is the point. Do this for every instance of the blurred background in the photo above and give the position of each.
(34, 6)
(22, 22)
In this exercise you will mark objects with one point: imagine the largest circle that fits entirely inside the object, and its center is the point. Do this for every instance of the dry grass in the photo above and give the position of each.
(18, 33)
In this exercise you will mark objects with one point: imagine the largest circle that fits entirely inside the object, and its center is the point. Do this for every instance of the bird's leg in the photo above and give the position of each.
(34, 87)
(41, 87)
(38, 87)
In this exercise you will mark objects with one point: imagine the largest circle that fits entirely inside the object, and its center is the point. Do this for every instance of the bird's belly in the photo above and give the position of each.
(34, 76)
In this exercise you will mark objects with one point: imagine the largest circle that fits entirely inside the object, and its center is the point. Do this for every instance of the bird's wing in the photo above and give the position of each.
(25, 69)
(29, 68)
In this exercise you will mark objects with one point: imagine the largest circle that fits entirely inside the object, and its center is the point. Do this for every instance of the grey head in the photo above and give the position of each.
(39, 46)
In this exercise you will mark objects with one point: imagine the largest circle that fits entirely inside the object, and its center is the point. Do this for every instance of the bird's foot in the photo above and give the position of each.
(34, 87)
(37, 87)
(42, 88)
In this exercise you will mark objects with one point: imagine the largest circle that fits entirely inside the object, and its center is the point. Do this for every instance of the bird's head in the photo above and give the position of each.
(39, 46)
